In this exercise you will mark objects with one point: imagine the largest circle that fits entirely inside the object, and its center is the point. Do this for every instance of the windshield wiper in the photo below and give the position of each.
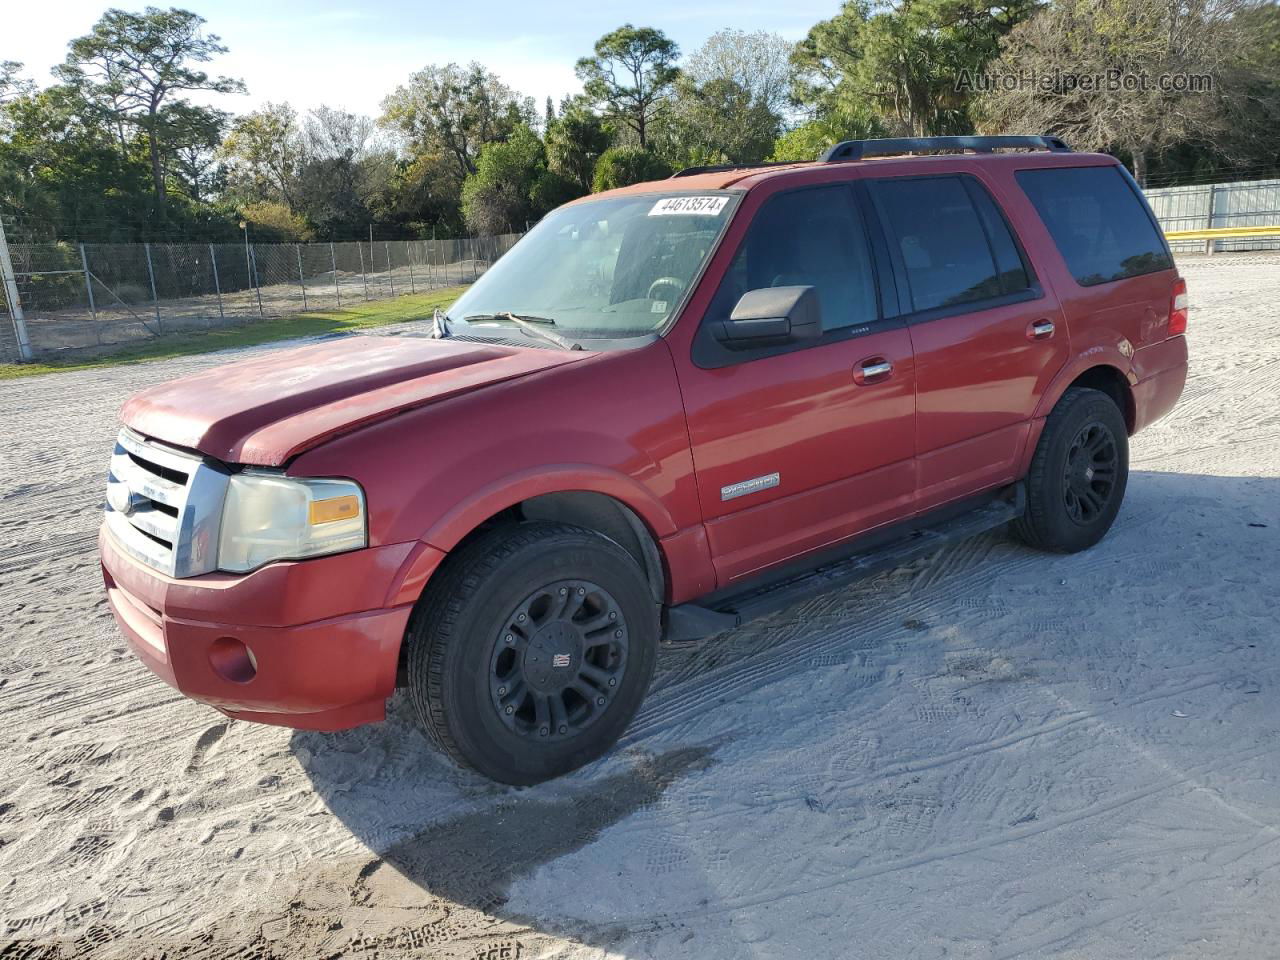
(530, 325)
(440, 325)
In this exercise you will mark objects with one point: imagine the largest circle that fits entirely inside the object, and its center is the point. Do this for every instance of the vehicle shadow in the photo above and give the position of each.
(471, 847)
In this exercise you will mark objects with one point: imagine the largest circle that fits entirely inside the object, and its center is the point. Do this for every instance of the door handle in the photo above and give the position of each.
(1040, 330)
(874, 369)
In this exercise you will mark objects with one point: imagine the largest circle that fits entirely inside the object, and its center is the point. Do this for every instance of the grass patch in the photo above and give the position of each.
(377, 313)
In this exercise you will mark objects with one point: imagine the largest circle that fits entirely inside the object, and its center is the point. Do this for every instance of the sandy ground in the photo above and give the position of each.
(990, 753)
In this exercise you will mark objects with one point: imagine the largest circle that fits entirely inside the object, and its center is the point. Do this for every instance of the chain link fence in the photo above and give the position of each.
(77, 295)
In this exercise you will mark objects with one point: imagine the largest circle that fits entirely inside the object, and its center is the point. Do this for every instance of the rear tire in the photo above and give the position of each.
(1078, 474)
(533, 650)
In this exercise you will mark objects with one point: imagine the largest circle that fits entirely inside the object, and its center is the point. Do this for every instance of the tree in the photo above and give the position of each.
(1248, 138)
(623, 166)
(12, 83)
(263, 154)
(731, 100)
(1254, 130)
(192, 137)
(1142, 40)
(632, 74)
(276, 223)
(329, 132)
(511, 185)
(132, 64)
(903, 60)
(422, 195)
(337, 177)
(809, 140)
(758, 62)
(59, 166)
(454, 111)
(803, 143)
(575, 141)
(717, 122)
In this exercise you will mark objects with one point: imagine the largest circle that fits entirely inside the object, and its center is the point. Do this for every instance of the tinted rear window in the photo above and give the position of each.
(953, 250)
(1097, 221)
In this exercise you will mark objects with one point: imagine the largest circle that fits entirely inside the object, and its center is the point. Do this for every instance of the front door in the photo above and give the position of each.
(804, 445)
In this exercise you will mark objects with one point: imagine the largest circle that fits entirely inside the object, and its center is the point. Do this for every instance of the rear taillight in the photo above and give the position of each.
(1178, 309)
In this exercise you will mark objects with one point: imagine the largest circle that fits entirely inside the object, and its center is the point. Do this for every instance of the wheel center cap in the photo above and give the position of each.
(1079, 472)
(552, 657)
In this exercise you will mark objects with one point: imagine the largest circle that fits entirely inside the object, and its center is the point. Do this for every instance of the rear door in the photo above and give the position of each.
(1121, 271)
(986, 337)
(806, 444)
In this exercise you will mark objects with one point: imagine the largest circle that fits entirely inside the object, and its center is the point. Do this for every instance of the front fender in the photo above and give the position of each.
(613, 425)
(684, 551)
(449, 530)
(507, 491)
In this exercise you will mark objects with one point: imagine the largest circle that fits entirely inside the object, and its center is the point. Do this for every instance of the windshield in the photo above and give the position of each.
(614, 267)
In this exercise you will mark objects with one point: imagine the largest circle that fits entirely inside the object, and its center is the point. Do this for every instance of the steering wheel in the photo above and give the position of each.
(675, 283)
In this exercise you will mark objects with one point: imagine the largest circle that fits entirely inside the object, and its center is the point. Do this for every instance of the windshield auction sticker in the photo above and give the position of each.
(695, 206)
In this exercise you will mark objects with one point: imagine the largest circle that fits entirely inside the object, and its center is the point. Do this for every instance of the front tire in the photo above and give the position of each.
(1078, 475)
(533, 651)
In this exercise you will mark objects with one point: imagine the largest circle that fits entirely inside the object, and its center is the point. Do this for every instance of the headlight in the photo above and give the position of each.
(268, 516)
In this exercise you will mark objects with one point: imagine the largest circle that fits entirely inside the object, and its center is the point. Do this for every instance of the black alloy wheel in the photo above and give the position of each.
(1090, 476)
(1078, 474)
(531, 649)
(558, 660)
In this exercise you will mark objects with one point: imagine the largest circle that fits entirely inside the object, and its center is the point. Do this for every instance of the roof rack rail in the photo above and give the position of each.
(723, 167)
(857, 149)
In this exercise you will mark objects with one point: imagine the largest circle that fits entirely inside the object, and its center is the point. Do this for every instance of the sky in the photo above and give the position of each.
(351, 55)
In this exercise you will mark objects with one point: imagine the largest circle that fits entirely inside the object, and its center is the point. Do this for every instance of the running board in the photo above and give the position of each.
(688, 622)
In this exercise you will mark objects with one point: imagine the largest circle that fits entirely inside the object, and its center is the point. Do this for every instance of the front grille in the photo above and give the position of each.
(164, 505)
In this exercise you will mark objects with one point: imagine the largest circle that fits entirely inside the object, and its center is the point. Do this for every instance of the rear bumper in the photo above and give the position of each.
(311, 645)
(1162, 372)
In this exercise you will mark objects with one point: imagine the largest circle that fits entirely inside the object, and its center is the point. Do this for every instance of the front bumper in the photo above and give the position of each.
(312, 644)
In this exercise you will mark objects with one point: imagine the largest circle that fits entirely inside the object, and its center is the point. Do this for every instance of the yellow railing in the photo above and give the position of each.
(1221, 233)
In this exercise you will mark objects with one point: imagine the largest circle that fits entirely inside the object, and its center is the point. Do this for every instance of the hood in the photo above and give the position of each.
(272, 407)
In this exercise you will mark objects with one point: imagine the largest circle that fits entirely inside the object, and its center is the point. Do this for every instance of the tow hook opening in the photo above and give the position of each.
(232, 660)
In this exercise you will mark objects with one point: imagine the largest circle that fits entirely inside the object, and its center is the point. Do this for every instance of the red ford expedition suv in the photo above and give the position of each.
(669, 408)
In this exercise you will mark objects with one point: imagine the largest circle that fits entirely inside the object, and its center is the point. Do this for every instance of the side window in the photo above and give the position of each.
(1097, 222)
(952, 250)
(809, 237)
(1013, 272)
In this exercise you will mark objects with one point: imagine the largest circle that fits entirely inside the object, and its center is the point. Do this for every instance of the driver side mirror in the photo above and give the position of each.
(771, 316)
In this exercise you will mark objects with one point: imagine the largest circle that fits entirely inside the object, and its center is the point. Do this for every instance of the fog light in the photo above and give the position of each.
(232, 660)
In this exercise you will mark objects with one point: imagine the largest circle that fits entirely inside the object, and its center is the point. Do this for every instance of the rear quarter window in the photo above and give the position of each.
(1098, 222)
